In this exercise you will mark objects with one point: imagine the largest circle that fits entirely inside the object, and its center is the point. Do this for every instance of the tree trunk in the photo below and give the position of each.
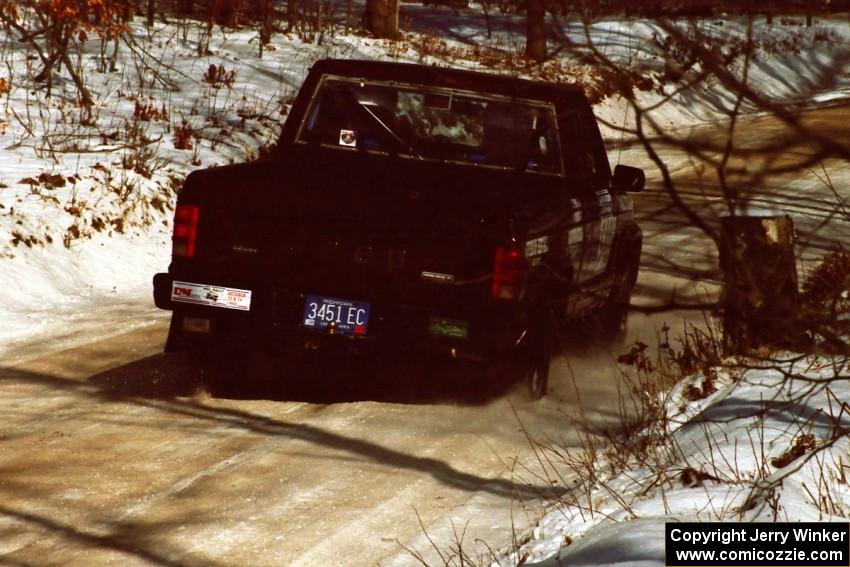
(486, 9)
(318, 22)
(186, 7)
(291, 15)
(150, 13)
(113, 61)
(348, 6)
(535, 26)
(760, 296)
(266, 24)
(382, 18)
(85, 96)
(225, 13)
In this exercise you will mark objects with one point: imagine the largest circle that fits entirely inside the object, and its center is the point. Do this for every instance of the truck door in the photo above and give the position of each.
(589, 171)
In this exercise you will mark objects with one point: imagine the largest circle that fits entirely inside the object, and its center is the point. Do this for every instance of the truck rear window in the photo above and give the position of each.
(428, 123)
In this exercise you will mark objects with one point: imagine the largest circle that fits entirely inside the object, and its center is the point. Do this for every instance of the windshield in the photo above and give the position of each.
(428, 123)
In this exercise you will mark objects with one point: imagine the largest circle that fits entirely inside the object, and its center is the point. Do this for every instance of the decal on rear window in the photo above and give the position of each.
(347, 138)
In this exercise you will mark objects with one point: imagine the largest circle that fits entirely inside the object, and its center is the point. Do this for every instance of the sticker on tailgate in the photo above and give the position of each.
(211, 295)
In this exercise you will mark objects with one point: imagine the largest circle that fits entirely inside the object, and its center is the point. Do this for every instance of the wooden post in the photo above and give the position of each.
(760, 295)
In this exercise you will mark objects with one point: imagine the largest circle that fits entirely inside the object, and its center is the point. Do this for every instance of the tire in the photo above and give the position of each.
(537, 381)
(612, 320)
(541, 349)
(225, 372)
(224, 363)
(215, 373)
(611, 324)
(174, 342)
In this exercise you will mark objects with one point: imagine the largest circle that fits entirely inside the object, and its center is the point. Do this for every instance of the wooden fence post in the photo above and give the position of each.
(760, 294)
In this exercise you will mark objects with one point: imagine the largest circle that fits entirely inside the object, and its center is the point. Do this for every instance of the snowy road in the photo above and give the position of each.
(109, 456)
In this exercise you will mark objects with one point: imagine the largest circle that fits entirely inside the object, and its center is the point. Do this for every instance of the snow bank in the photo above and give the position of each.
(768, 446)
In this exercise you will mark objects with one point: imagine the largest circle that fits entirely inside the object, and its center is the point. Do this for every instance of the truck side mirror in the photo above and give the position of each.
(628, 179)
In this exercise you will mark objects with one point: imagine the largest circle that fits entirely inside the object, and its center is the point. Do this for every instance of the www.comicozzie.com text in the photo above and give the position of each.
(756, 534)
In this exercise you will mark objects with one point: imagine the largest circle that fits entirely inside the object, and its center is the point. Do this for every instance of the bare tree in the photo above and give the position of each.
(56, 30)
(726, 167)
(263, 12)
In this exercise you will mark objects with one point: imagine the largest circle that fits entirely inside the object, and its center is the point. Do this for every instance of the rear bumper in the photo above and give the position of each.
(274, 322)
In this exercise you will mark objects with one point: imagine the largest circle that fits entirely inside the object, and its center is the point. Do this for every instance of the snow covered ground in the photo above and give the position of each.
(766, 444)
(85, 215)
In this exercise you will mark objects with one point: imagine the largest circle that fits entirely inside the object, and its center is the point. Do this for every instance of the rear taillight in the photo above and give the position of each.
(185, 230)
(508, 273)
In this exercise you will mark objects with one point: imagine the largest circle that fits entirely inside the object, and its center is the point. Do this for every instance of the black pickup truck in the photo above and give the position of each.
(409, 207)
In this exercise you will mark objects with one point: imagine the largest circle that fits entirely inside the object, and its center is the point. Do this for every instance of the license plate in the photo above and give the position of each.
(211, 295)
(336, 315)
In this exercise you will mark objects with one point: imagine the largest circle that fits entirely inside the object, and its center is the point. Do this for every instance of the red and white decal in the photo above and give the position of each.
(211, 295)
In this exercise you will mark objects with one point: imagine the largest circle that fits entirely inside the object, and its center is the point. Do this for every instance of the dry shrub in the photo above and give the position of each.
(183, 135)
(825, 304)
(803, 444)
(143, 160)
(706, 388)
(698, 350)
(217, 76)
(827, 287)
(644, 428)
(28, 240)
(147, 110)
(692, 477)
(637, 357)
(431, 44)
(45, 180)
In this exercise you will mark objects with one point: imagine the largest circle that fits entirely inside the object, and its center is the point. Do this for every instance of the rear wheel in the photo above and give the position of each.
(225, 371)
(174, 342)
(215, 371)
(541, 349)
(223, 359)
(537, 380)
(611, 321)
